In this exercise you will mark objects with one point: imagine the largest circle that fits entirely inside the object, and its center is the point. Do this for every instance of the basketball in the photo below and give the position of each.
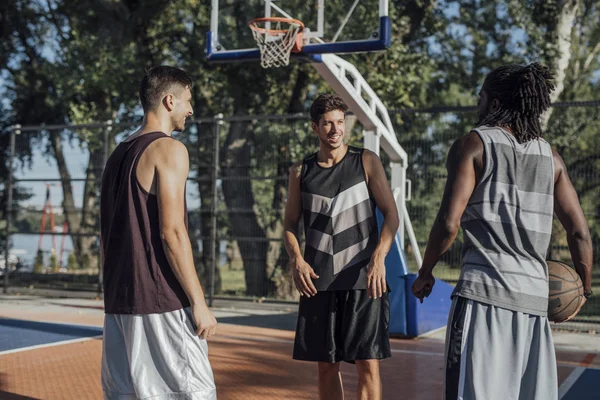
(566, 291)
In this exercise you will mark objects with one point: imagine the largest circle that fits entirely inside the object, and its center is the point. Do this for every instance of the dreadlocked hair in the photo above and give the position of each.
(524, 94)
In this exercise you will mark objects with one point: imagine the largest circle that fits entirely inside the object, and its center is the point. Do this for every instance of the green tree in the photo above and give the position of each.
(38, 264)
(80, 62)
(72, 262)
(53, 263)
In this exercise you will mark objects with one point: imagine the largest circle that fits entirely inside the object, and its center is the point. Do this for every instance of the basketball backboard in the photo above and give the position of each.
(331, 26)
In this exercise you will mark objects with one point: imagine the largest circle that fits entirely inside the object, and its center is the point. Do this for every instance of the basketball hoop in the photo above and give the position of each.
(277, 44)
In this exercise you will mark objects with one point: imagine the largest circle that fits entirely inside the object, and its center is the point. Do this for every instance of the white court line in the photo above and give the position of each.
(570, 381)
(41, 346)
(55, 322)
(432, 332)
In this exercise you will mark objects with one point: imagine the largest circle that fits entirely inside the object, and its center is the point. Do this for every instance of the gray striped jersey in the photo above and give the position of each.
(507, 225)
(340, 225)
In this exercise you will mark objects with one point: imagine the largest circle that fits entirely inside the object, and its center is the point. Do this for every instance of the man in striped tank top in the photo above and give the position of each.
(504, 185)
(344, 305)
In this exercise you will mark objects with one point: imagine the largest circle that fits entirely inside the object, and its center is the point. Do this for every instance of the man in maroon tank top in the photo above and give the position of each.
(156, 320)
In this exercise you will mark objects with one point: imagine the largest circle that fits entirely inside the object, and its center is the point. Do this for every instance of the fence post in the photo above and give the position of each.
(106, 138)
(218, 121)
(15, 130)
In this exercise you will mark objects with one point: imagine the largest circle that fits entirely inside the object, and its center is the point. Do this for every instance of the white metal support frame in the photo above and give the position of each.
(350, 85)
(270, 4)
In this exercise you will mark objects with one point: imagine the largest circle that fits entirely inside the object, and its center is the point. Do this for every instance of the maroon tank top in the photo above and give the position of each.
(138, 278)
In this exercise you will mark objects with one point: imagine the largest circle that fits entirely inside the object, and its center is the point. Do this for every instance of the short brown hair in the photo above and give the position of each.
(159, 80)
(325, 103)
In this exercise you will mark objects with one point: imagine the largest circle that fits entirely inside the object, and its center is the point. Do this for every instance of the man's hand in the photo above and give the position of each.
(376, 284)
(576, 311)
(206, 323)
(302, 274)
(423, 286)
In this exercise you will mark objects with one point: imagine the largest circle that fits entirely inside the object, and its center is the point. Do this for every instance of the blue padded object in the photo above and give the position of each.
(433, 313)
(395, 271)
(395, 257)
(408, 317)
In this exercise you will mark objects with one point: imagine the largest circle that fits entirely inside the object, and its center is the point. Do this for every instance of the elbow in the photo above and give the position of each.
(391, 219)
(581, 235)
(172, 234)
(394, 222)
(449, 228)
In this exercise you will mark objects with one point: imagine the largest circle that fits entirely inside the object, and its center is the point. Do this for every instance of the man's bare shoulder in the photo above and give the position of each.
(369, 156)
(471, 143)
(559, 164)
(168, 151)
(467, 146)
(296, 169)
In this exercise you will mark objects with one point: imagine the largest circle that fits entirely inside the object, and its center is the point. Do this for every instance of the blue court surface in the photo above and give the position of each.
(586, 387)
(16, 334)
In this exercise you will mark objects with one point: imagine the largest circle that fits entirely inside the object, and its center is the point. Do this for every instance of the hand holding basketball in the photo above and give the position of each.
(565, 298)
(581, 304)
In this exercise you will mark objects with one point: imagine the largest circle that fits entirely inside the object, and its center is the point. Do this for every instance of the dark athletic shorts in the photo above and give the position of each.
(343, 325)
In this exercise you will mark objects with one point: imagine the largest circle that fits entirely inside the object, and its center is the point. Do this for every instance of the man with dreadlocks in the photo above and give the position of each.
(504, 184)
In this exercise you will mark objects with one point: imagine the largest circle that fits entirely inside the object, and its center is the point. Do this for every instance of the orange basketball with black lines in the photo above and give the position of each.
(566, 290)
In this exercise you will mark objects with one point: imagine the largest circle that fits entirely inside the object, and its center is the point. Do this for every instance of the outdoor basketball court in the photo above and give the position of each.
(51, 349)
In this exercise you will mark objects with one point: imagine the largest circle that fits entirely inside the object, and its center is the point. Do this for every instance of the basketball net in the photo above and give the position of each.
(277, 44)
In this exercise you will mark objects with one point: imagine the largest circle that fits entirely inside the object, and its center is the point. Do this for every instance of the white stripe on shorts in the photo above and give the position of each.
(463, 350)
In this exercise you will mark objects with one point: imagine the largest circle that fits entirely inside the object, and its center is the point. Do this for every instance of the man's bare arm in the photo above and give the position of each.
(463, 159)
(293, 212)
(172, 168)
(569, 213)
(382, 193)
(302, 272)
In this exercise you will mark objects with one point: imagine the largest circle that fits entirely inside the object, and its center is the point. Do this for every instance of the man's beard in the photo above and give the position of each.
(481, 118)
(178, 126)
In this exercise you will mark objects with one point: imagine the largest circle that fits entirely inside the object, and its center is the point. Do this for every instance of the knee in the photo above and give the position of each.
(326, 369)
(367, 369)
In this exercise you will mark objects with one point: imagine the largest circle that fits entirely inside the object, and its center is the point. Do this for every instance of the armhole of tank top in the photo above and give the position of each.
(486, 157)
(137, 160)
(303, 172)
(551, 163)
(361, 153)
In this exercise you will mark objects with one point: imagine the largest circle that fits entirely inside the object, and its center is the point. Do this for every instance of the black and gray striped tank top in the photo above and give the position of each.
(339, 221)
(507, 225)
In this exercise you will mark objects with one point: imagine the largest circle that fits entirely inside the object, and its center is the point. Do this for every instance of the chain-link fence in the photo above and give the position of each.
(236, 194)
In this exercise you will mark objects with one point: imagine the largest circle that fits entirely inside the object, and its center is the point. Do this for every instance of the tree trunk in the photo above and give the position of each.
(87, 256)
(277, 260)
(237, 190)
(564, 27)
(202, 258)
(70, 212)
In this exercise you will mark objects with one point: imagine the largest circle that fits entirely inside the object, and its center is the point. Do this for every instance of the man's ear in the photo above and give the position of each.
(315, 127)
(169, 102)
(495, 106)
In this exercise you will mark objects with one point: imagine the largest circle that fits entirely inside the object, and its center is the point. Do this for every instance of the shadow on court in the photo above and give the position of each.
(4, 395)
(285, 322)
